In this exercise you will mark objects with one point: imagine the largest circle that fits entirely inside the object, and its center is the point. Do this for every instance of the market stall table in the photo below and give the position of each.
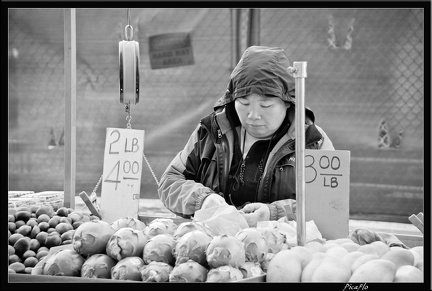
(408, 233)
(150, 209)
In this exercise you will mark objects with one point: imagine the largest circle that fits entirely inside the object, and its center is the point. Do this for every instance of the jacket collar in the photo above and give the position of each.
(223, 121)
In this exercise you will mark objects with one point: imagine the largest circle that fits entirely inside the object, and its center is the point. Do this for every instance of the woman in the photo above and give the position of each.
(243, 153)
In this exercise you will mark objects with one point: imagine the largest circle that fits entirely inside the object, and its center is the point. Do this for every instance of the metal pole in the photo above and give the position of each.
(254, 27)
(300, 74)
(70, 107)
(237, 36)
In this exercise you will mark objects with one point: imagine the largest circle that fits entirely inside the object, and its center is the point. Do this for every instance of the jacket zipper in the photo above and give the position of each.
(223, 159)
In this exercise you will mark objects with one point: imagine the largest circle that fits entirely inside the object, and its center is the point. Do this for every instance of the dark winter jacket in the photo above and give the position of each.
(203, 166)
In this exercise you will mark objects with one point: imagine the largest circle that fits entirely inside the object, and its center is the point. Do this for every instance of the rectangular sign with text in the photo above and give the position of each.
(327, 182)
(170, 50)
(121, 181)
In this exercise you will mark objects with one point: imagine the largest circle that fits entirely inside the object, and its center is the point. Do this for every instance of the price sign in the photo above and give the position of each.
(327, 180)
(121, 180)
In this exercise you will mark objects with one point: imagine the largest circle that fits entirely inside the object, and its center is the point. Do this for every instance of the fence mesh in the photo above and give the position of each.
(365, 84)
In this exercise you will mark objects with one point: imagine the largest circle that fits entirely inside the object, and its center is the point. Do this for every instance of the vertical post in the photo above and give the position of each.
(300, 74)
(70, 106)
(232, 38)
(237, 35)
(235, 15)
(254, 26)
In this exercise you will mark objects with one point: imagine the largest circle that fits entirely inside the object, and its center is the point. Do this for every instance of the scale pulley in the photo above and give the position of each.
(129, 60)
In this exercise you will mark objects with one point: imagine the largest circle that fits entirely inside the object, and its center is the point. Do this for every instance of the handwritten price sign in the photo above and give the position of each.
(327, 180)
(121, 180)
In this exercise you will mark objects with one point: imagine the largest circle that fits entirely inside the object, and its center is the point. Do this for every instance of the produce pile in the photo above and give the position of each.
(163, 251)
(33, 230)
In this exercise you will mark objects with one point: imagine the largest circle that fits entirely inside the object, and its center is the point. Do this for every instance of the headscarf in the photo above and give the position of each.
(264, 71)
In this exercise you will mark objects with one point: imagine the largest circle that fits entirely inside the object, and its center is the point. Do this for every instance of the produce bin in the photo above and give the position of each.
(407, 239)
(25, 278)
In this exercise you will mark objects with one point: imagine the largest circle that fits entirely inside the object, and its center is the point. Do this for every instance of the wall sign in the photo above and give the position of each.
(170, 50)
(327, 181)
(121, 180)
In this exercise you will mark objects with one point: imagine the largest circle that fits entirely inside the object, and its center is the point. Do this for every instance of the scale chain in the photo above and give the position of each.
(150, 168)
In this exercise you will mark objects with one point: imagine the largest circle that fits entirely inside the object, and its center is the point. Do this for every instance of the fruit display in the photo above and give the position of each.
(34, 230)
(163, 251)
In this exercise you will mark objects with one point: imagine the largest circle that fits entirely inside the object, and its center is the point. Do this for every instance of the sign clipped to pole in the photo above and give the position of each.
(327, 180)
(122, 169)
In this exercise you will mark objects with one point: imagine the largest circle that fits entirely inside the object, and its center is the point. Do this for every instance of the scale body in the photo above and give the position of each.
(129, 60)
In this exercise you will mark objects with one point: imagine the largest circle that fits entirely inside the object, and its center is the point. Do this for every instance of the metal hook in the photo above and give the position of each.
(128, 16)
(128, 28)
(292, 70)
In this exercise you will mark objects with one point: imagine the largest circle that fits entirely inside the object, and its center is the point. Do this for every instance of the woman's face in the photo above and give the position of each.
(260, 116)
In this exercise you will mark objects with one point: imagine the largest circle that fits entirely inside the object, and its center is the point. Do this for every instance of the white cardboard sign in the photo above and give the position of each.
(121, 180)
(327, 181)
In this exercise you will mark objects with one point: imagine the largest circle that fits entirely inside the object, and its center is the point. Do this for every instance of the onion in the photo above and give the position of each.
(255, 243)
(224, 274)
(192, 246)
(188, 272)
(128, 268)
(91, 237)
(160, 226)
(156, 272)
(159, 249)
(275, 239)
(225, 250)
(98, 266)
(128, 222)
(126, 242)
(251, 269)
(65, 262)
(189, 226)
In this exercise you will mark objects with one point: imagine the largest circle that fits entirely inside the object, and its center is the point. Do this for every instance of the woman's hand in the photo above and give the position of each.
(255, 212)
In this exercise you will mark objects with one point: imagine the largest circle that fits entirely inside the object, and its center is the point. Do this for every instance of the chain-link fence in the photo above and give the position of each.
(365, 84)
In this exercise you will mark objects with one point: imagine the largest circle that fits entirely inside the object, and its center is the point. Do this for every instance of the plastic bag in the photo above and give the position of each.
(312, 233)
(364, 236)
(223, 219)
